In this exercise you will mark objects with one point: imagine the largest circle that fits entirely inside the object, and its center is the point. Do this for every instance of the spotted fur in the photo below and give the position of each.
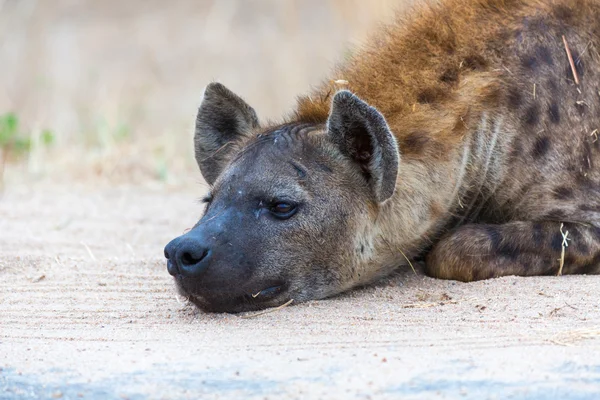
(462, 137)
(482, 101)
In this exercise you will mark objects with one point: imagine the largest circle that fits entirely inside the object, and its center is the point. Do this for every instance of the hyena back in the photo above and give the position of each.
(467, 134)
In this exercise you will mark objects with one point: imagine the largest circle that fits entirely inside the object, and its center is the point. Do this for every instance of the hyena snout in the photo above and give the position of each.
(219, 273)
(187, 256)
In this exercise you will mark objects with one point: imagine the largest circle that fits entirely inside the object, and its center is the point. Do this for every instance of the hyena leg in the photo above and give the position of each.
(480, 251)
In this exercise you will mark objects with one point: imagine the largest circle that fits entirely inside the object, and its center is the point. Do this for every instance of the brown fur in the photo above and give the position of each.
(463, 138)
(434, 75)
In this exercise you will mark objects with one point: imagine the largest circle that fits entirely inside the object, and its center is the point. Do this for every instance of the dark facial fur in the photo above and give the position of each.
(253, 249)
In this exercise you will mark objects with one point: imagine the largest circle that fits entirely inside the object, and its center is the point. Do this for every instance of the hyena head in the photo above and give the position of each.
(288, 206)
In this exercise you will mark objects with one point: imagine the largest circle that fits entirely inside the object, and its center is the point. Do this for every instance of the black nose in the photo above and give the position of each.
(187, 256)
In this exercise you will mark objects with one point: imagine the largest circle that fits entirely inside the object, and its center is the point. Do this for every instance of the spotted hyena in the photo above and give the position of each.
(467, 134)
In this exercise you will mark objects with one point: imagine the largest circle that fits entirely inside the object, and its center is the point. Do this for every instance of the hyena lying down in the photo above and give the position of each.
(465, 136)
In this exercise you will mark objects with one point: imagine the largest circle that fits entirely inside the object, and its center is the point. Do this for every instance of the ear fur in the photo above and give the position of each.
(362, 134)
(223, 118)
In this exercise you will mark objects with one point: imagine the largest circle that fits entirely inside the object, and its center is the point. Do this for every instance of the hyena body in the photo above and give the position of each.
(465, 136)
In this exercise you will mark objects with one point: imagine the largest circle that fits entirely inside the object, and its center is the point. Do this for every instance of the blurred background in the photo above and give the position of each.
(107, 91)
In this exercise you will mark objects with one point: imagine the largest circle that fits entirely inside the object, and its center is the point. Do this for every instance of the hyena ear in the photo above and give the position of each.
(361, 133)
(223, 118)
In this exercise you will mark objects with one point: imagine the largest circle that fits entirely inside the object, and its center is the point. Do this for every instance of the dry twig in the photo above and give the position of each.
(270, 310)
(89, 251)
(565, 244)
(573, 70)
(409, 263)
(427, 305)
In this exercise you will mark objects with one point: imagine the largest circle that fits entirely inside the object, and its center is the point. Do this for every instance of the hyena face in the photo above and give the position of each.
(287, 205)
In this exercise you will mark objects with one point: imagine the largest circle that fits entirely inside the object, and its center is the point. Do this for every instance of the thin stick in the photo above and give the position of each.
(270, 310)
(58, 261)
(427, 305)
(130, 249)
(89, 251)
(582, 53)
(401, 252)
(553, 341)
(216, 151)
(183, 303)
(565, 244)
(534, 91)
(573, 70)
(409, 263)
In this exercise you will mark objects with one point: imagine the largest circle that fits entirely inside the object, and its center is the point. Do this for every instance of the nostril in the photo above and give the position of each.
(192, 259)
(188, 258)
(167, 254)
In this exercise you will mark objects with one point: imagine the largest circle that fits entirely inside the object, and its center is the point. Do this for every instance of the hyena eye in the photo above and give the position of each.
(283, 210)
(207, 198)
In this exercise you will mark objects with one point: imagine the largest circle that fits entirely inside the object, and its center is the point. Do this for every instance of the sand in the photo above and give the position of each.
(87, 310)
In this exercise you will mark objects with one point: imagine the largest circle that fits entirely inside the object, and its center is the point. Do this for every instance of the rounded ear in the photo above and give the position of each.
(223, 118)
(362, 134)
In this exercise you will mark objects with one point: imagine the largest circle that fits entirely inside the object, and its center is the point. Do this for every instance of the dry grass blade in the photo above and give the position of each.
(185, 301)
(270, 310)
(564, 245)
(409, 263)
(89, 251)
(568, 338)
(340, 82)
(216, 151)
(573, 70)
(401, 252)
(427, 305)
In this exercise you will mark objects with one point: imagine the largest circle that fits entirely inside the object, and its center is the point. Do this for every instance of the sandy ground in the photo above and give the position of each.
(87, 310)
